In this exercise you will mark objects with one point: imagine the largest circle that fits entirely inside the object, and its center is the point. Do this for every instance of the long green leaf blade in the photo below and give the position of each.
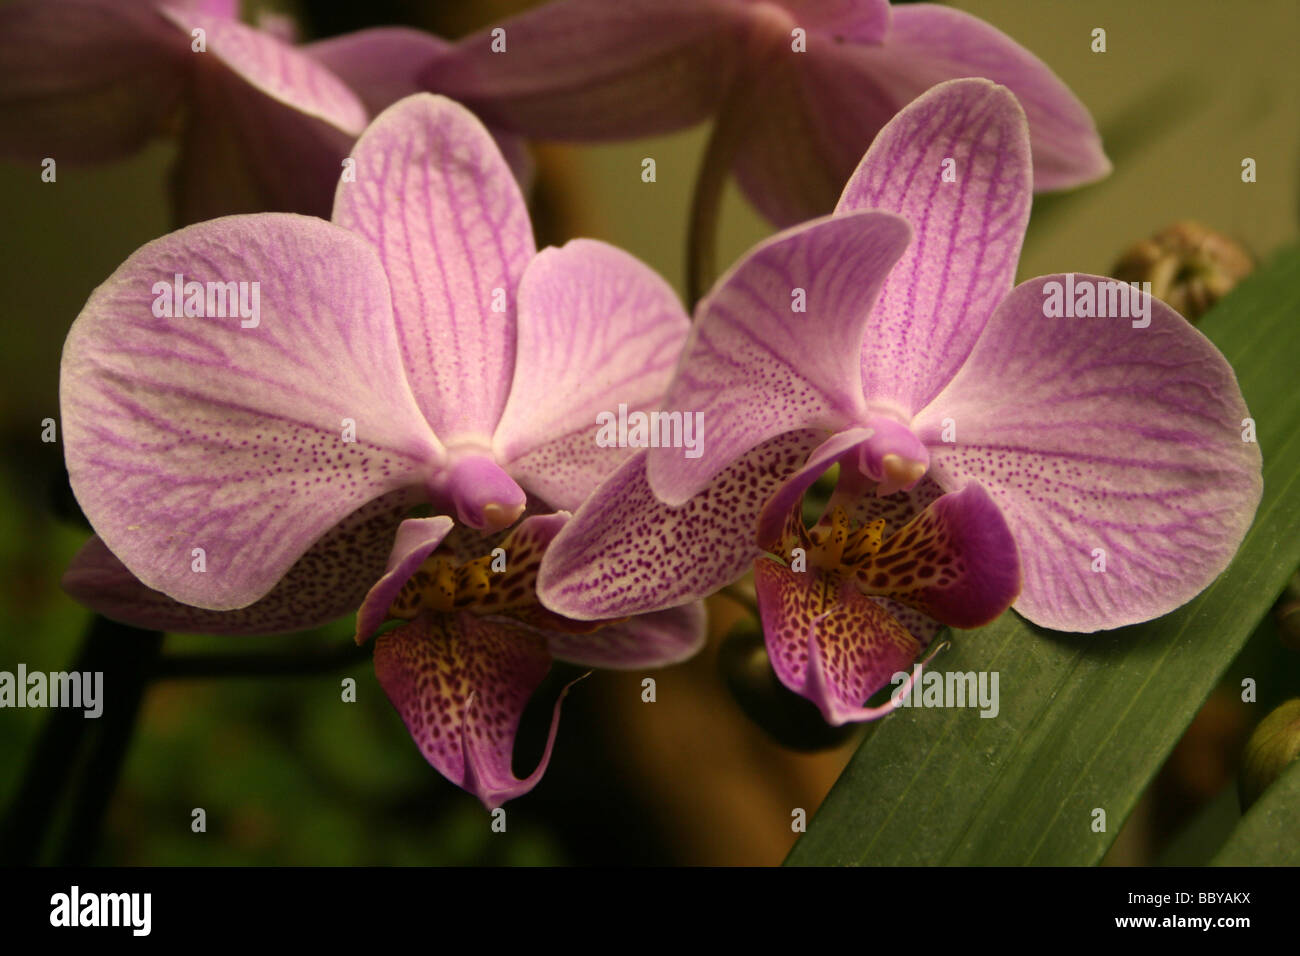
(1269, 833)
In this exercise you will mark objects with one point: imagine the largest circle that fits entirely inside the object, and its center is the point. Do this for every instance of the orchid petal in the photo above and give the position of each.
(1119, 441)
(326, 583)
(435, 198)
(854, 21)
(274, 68)
(196, 432)
(460, 684)
(85, 80)
(929, 43)
(601, 330)
(416, 539)
(625, 552)
(968, 233)
(750, 368)
(647, 640)
(837, 648)
(381, 65)
(591, 69)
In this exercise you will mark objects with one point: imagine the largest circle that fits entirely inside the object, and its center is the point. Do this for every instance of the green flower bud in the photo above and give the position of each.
(1273, 745)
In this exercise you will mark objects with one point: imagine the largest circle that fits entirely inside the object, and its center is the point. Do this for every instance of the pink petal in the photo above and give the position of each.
(591, 69)
(600, 329)
(435, 198)
(416, 539)
(381, 65)
(835, 649)
(968, 233)
(85, 80)
(755, 367)
(647, 640)
(197, 432)
(274, 68)
(625, 552)
(460, 684)
(855, 21)
(326, 583)
(1123, 439)
(929, 43)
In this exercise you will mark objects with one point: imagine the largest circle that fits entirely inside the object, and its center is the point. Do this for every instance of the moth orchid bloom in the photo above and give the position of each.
(987, 442)
(799, 87)
(251, 477)
(262, 124)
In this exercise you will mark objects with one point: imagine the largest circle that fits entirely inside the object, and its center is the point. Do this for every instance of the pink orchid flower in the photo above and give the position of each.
(255, 472)
(995, 444)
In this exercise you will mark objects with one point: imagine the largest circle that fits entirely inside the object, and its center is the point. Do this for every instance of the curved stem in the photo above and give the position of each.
(706, 208)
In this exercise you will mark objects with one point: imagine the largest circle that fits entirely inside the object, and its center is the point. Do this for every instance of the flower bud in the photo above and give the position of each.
(1189, 266)
(1273, 745)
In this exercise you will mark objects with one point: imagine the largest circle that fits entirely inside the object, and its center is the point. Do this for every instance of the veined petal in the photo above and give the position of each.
(326, 583)
(85, 80)
(248, 431)
(382, 65)
(968, 232)
(275, 68)
(929, 43)
(591, 69)
(955, 562)
(647, 640)
(601, 331)
(460, 684)
(777, 341)
(435, 198)
(829, 643)
(1120, 447)
(626, 552)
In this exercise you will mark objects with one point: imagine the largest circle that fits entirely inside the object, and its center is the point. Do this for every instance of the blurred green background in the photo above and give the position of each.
(288, 774)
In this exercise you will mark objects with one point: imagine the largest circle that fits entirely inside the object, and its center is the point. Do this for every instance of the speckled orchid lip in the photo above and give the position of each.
(293, 452)
(922, 371)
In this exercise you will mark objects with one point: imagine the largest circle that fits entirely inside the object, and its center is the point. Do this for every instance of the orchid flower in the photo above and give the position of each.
(262, 124)
(800, 87)
(1095, 471)
(253, 475)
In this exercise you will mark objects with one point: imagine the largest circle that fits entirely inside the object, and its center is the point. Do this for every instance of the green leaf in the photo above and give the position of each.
(1085, 720)
(1269, 833)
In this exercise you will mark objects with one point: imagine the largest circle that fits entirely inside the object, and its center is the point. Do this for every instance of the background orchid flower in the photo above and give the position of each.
(922, 371)
(262, 124)
(797, 112)
(249, 477)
